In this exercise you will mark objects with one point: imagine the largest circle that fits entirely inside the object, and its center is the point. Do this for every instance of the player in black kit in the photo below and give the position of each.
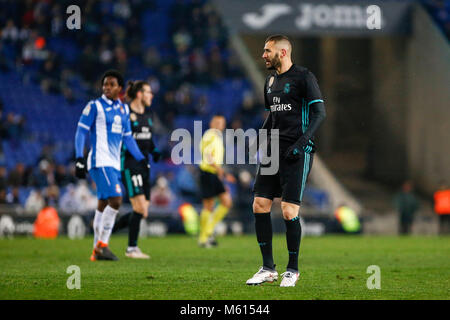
(296, 108)
(135, 180)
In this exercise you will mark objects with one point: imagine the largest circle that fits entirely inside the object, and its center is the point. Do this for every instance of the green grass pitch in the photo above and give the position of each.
(332, 267)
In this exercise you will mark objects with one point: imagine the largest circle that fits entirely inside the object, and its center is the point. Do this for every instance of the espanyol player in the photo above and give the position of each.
(107, 122)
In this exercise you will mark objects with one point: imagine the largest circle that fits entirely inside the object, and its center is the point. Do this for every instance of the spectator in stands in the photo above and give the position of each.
(152, 58)
(89, 64)
(183, 97)
(154, 83)
(51, 195)
(12, 197)
(68, 94)
(3, 196)
(10, 32)
(46, 154)
(3, 177)
(13, 127)
(169, 79)
(68, 202)
(216, 64)
(58, 22)
(62, 178)
(161, 195)
(49, 76)
(406, 204)
(87, 196)
(199, 66)
(35, 202)
(77, 199)
(34, 49)
(44, 176)
(19, 176)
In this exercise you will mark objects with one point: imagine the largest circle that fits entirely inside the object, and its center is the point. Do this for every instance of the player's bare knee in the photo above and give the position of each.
(102, 205)
(290, 210)
(115, 202)
(139, 207)
(261, 205)
(208, 204)
(226, 201)
(144, 209)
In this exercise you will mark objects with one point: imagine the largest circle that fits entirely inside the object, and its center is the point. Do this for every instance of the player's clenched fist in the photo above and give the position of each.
(293, 152)
(80, 168)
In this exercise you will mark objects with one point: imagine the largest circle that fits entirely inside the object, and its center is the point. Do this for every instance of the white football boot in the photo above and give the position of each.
(136, 253)
(289, 279)
(262, 276)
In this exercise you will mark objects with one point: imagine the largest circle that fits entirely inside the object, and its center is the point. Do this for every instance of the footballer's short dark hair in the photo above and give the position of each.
(278, 37)
(134, 87)
(115, 74)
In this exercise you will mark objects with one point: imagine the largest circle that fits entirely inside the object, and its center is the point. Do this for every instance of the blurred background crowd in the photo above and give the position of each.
(179, 47)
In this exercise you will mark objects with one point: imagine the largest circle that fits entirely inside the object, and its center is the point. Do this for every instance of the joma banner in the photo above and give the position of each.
(317, 17)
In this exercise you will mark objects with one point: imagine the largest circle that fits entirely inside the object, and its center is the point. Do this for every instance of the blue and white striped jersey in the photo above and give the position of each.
(107, 122)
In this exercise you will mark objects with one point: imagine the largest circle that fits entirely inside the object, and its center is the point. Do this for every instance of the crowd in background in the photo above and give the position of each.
(112, 37)
(32, 33)
(36, 44)
(33, 30)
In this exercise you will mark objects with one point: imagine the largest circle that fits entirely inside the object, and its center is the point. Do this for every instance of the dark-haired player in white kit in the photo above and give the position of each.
(296, 109)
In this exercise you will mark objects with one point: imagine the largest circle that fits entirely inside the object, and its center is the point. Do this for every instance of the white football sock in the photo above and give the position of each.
(108, 219)
(97, 225)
